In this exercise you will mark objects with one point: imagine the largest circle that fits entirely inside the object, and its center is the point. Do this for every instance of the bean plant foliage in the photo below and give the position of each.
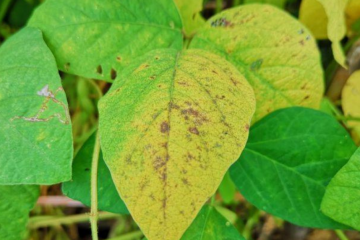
(191, 101)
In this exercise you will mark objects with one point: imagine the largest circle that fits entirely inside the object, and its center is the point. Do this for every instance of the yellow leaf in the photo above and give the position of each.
(352, 14)
(351, 103)
(190, 14)
(170, 127)
(280, 61)
(316, 14)
(313, 16)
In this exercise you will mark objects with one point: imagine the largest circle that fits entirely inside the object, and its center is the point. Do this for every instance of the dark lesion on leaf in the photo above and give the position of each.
(164, 127)
(194, 130)
(113, 74)
(99, 69)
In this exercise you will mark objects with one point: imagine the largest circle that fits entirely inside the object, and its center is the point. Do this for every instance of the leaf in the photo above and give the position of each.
(209, 224)
(309, 10)
(277, 3)
(79, 187)
(290, 157)
(350, 103)
(336, 28)
(341, 199)
(15, 205)
(35, 126)
(227, 189)
(190, 13)
(282, 63)
(163, 129)
(97, 39)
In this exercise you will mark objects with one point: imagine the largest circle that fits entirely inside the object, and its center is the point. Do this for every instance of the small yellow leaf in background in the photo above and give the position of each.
(170, 128)
(190, 14)
(330, 19)
(351, 103)
(313, 16)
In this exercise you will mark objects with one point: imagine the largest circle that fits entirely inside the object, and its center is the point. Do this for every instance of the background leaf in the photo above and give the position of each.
(96, 39)
(35, 128)
(336, 28)
(209, 224)
(278, 3)
(341, 199)
(15, 205)
(79, 187)
(163, 129)
(351, 103)
(290, 157)
(275, 53)
(190, 13)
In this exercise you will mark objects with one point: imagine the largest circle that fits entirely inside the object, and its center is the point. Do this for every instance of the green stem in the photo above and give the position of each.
(4, 5)
(219, 5)
(94, 198)
(250, 224)
(128, 236)
(344, 118)
(212, 201)
(50, 221)
(341, 235)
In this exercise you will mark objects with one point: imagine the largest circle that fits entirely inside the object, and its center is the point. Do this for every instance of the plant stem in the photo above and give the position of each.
(341, 235)
(4, 5)
(94, 197)
(128, 236)
(219, 6)
(49, 221)
(250, 224)
(344, 118)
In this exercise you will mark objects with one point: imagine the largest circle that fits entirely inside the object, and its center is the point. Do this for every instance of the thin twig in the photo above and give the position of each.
(94, 197)
(341, 235)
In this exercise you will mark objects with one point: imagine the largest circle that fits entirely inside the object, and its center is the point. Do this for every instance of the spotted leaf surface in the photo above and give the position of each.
(15, 205)
(169, 130)
(341, 199)
(35, 127)
(351, 103)
(96, 39)
(79, 186)
(275, 53)
(290, 158)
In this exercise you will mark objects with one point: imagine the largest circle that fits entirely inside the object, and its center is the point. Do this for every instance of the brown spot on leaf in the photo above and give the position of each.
(118, 58)
(247, 127)
(164, 127)
(306, 97)
(99, 69)
(194, 130)
(152, 77)
(113, 74)
(185, 181)
(302, 42)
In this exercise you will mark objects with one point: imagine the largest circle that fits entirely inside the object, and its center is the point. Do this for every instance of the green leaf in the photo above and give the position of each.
(336, 28)
(280, 61)
(163, 129)
(98, 38)
(341, 199)
(190, 14)
(227, 189)
(79, 187)
(290, 157)
(35, 127)
(15, 205)
(209, 224)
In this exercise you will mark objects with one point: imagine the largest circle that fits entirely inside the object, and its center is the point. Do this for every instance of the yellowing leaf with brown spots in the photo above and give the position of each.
(274, 52)
(170, 128)
(190, 14)
(351, 103)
